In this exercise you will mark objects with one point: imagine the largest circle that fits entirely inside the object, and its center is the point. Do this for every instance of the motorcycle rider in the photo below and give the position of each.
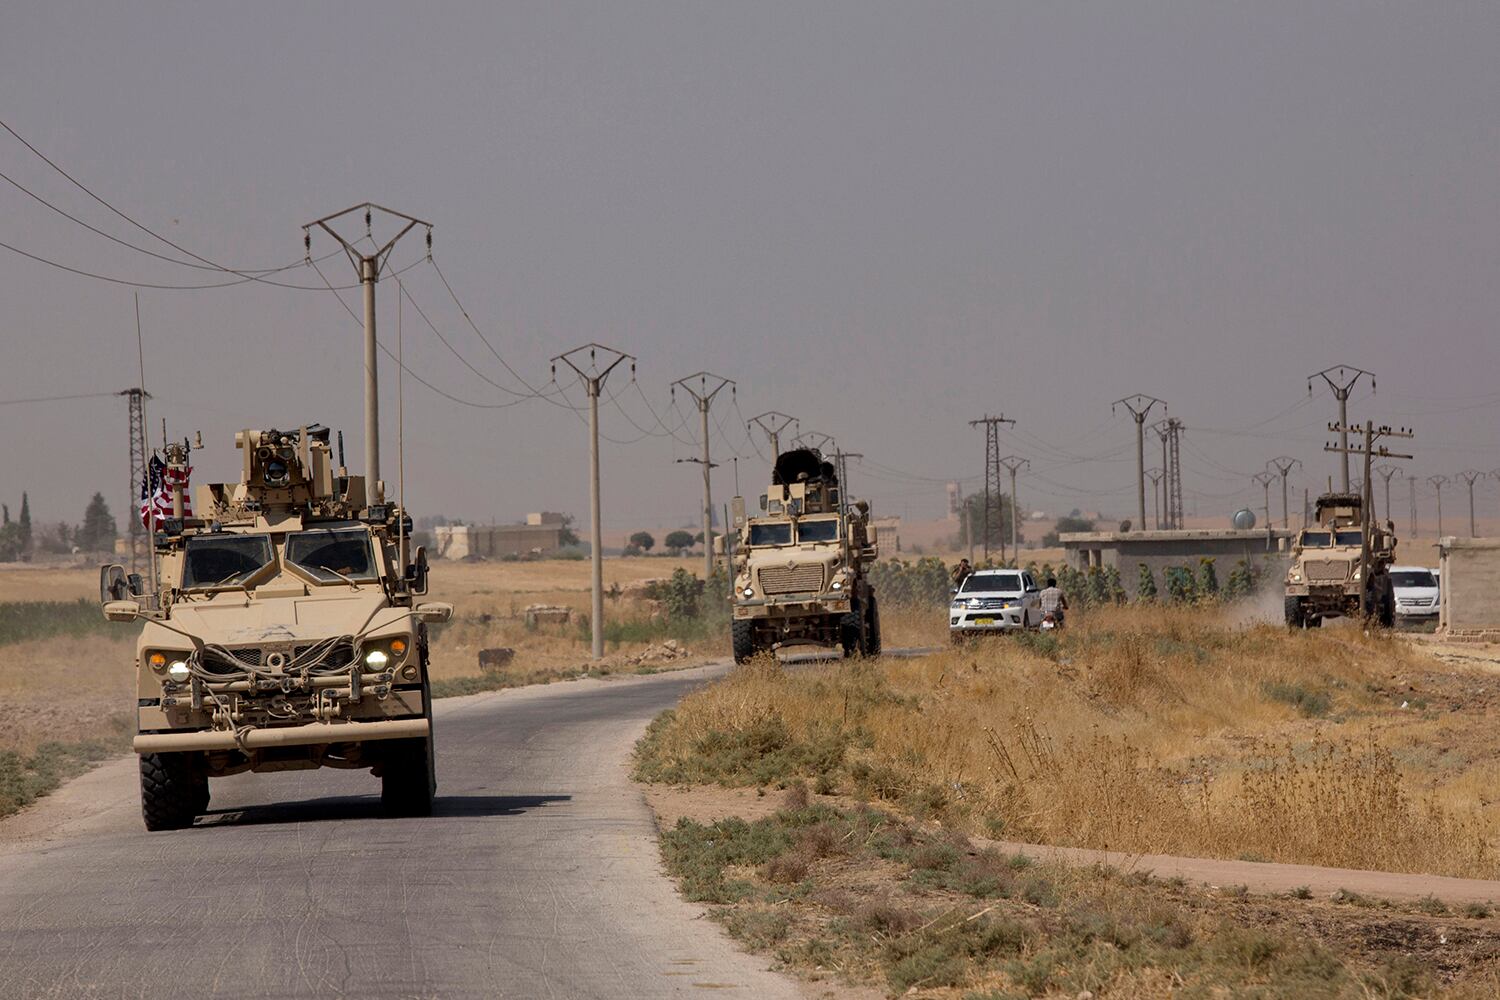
(1054, 601)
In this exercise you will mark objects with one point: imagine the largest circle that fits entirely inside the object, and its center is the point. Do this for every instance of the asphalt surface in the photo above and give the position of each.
(538, 876)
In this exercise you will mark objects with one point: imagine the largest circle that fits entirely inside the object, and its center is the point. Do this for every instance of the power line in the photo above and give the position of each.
(56, 399)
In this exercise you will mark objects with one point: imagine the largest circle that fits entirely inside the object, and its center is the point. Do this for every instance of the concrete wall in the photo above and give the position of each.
(492, 541)
(1470, 569)
(1127, 550)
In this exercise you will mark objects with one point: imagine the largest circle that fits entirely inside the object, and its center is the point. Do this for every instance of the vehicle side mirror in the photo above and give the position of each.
(763, 501)
(122, 611)
(416, 573)
(434, 612)
(112, 583)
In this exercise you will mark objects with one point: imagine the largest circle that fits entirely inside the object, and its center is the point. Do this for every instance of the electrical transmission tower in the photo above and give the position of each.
(1170, 432)
(593, 376)
(1341, 379)
(1155, 475)
(1139, 405)
(708, 385)
(992, 488)
(1264, 481)
(1411, 485)
(1437, 483)
(139, 456)
(1469, 476)
(772, 422)
(1386, 472)
(1011, 464)
(368, 266)
(1283, 464)
(1369, 452)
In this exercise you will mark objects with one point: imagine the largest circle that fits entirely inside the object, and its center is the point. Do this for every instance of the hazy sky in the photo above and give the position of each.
(886, 219)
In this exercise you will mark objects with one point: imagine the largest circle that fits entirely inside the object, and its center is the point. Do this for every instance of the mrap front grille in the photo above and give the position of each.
(804, 579)
(1326, 570)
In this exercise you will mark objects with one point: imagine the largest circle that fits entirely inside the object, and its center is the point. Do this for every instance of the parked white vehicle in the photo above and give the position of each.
(994, 600)
(1417, 593)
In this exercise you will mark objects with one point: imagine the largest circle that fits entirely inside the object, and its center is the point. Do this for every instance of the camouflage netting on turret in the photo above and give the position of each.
(802, 465)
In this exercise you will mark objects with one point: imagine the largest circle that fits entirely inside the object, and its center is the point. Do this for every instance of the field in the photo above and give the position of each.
(1184, 731)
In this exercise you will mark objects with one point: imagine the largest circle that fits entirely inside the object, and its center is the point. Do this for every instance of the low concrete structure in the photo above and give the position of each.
(1126, 550)
(492, 541)
(1469, 577)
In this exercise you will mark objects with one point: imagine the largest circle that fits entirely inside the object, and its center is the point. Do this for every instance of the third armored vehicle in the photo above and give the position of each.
(801, 568)
(283, 633)
(1325, 578)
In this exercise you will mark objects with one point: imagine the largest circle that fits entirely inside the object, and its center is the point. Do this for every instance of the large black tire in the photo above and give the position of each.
(872, 628)
(200, 792)
(169, 791)
(406, 780)
(1385, 602)
(1292, 608)
(850, 634)
(742, 637)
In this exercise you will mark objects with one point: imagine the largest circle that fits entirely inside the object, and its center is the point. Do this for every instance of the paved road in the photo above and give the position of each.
(537, 877)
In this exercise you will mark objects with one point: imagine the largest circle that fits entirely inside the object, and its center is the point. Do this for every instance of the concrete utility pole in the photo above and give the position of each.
(1387, 471)
(1264, 480)
(1139, 406)
(1469, 476)
(1011, 464)
(1367, 515)
(1283, 464)
(772, 422)
(1155, 475)
(1437, 483)
(593, 377)
(992, 492)
(1341, 379)
(368, 266)
(708, 385)
(1411, 485)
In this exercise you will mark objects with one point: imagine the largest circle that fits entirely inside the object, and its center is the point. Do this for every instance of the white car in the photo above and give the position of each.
(994, 600)
(1417, 594)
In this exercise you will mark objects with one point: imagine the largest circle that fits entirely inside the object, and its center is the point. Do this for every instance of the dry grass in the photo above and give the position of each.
(1155, 731)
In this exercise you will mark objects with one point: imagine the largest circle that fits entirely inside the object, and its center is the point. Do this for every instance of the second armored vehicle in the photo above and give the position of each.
(801, 567)
(1325, 579)
(282, 635)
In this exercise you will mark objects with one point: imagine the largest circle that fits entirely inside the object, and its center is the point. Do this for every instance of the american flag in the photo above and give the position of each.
(156, 491)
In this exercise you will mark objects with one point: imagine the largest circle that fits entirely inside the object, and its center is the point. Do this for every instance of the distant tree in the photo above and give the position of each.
(98, 532)
(10, 542)
(1145, 590)
(999, 521)
(56, 538)
(566, 538)
(642, 540)
(25, 525)
(1066, 525)
(677, 541)
(1208, 578)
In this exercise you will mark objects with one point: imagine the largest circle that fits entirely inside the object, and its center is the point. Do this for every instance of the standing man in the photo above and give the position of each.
(961, 573)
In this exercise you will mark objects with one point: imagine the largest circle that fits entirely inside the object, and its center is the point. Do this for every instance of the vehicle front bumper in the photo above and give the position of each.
(986, 620)
(834, 602)
(310, 734)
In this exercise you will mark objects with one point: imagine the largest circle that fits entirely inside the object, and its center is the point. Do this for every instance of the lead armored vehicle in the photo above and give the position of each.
(1325, 579)
(282, 633)
(801, 567)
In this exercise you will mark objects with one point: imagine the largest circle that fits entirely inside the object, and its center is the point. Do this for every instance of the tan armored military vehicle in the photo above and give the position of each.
(283, 634)
(801, 567)
(1325, 578)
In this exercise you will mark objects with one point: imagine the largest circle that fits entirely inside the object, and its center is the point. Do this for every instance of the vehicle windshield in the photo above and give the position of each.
(1348, 538)
(332, 553)
(1413, 578)
(1316, 539)
(817, 531)
(773, 533)
(992, 583)
(223, 560)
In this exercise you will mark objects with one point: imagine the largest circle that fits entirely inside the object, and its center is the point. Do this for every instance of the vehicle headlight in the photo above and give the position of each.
(956, 606)
(1296, 576)
(1356, 572)
(376, 658)
(749, 592)
(178, 671)
(838, 585)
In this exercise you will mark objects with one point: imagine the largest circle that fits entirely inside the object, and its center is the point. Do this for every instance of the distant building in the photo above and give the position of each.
(1127, 550)
(540, 535)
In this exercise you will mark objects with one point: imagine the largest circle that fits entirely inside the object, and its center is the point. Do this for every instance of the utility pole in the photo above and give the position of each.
(823, 444)
(1411, 485)
(1264, 480)
(139, 457)
(593, 377)
(1011, 464)
(708, 385)
(368, 267)
(1155, 475)
(1387, 471)
(1341, 379)
(1437, 483)
(1367, 516)
(992, 492)
(1283, 464)
(1468, 476)
(772, 422)
(1161, 429)
(1139, 406)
